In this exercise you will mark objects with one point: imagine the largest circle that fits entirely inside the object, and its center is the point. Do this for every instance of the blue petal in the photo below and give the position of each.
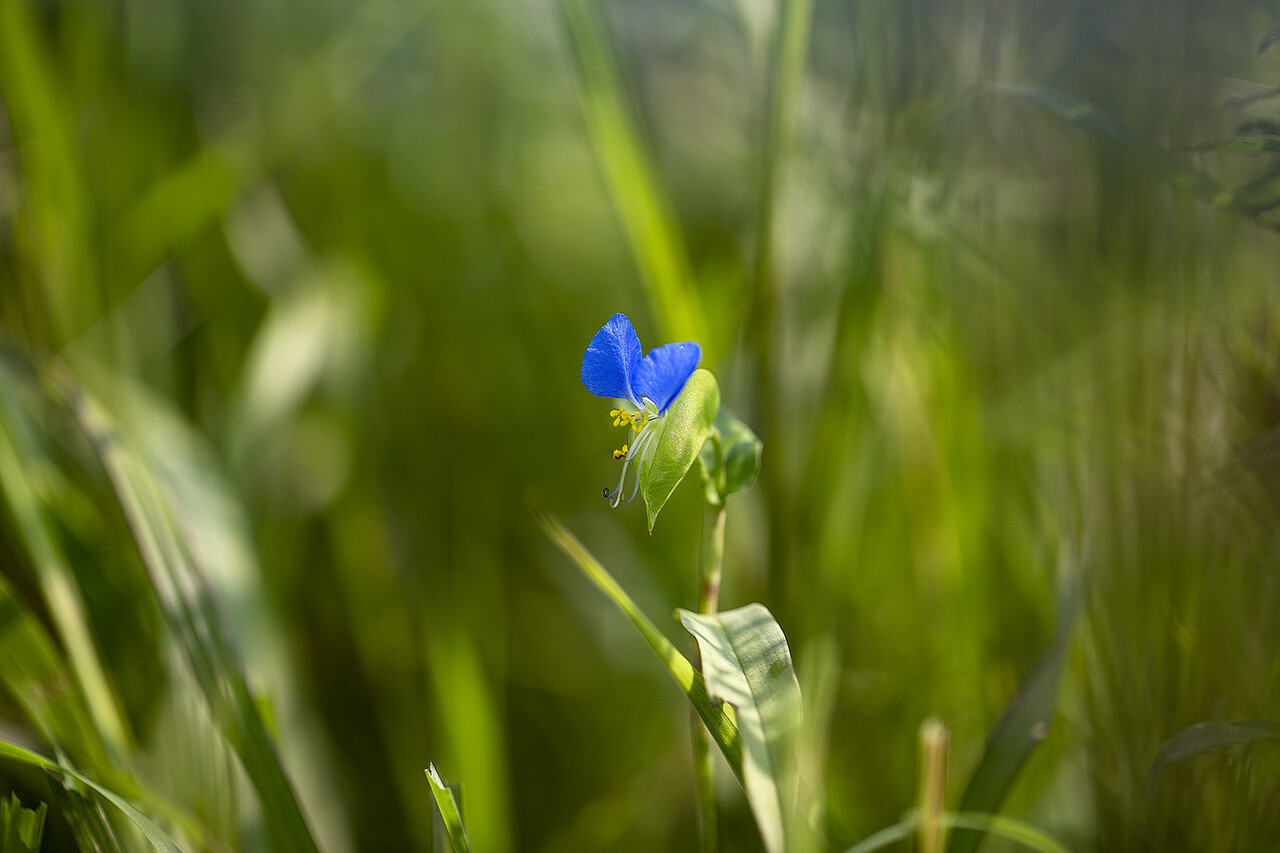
(610, 363)
(663, 372)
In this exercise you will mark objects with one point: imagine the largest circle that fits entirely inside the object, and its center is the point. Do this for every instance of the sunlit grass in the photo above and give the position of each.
(293, 300)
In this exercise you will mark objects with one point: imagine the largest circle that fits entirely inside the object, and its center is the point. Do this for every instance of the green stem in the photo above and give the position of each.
(703, 757)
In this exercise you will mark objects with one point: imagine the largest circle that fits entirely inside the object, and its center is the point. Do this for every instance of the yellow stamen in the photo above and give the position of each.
(621, 454)
(621, 417)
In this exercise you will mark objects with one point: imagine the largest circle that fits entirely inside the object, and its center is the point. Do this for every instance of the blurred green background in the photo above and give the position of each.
(1005, 317)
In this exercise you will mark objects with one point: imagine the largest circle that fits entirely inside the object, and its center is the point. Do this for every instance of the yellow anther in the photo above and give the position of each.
(621, 417)
(639, 423)
(621, 454)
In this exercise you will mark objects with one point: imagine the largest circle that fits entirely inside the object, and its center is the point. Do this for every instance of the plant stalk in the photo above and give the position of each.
(703, 756)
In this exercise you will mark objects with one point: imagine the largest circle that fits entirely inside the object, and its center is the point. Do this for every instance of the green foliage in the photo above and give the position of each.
(683, 430)
(980, 275)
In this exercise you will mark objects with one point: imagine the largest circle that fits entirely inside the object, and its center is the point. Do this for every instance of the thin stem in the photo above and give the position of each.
(933, 785)
(703, 756)
(712, 556)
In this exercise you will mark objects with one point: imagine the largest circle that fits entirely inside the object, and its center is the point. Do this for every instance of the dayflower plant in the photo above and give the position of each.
(614, 366)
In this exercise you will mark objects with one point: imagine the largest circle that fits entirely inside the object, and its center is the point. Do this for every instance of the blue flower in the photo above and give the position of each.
(614, 367)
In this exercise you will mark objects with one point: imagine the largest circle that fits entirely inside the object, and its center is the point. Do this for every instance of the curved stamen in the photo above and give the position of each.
(637, 453)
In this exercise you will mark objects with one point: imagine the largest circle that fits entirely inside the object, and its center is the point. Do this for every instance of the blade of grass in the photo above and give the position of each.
(57, 583)
(789, 58)
(157, 836)
(723, 727)
(1006, 827)
(44, 135)
(1205, 737)
(632, 179)
(188, 605)
(1020, 729)
(1014, 830)
(448, 811)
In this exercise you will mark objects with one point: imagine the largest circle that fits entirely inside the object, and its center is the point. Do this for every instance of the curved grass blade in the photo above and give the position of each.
(889, 835)
(185, 599)
(720, 722)
(1143, 152)
(159, 839)
(747, 665)
(1271, 38)
(61, 591)
(1206, 737)
(1020, 729)
(632, 178)
(1006, 827)
(448, 811)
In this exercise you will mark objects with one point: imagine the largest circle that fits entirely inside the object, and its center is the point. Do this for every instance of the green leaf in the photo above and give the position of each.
(681, 433)
(720, 721)
(730, 461)
(1206, 737)
(159, 839)
(1020, 729)
(1144, 153)
(21, 828)
(747, 665)
(448, 810)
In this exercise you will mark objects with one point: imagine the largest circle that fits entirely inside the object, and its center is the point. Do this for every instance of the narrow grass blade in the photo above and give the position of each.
(747, 665)
(183, 594)
(1020, 729)
(448, 811)
(1143, 152)
(1006, 827)
(719, 720)
(1013, 830)
(882, 839)
(21, 828)
(159, 839)
(1018, 732)
(1270, 39)
(1206, 737)
(58, 585)
(34, 673)
(632, 179)
(44, 132)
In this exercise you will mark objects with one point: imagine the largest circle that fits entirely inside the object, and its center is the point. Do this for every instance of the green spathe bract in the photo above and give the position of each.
(730, 460)
(682, 431)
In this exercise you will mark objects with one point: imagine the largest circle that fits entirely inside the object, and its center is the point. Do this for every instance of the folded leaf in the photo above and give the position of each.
(682, 432)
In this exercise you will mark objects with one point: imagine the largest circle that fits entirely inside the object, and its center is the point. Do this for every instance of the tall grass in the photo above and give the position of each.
(293, 300)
